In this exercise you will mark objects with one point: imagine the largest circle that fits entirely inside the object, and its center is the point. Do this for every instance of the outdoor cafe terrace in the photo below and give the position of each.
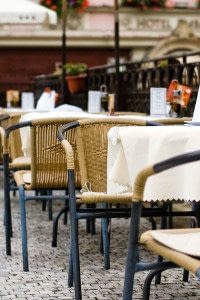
(45, 274)
(48, 266)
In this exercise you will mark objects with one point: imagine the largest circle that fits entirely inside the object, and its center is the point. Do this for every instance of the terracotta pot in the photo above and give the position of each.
(76, 83)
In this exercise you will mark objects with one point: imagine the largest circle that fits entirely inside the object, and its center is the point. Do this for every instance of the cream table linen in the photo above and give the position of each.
(132, 148)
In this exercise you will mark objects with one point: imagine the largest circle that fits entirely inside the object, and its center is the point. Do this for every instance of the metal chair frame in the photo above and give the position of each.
(132, 264)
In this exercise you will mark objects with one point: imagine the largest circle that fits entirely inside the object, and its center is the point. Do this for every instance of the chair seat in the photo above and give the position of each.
(184, 241)
(21, 162)
(23, 177)
(181, 240)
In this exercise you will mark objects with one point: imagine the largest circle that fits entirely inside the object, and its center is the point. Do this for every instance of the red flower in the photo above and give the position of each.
(56, 5)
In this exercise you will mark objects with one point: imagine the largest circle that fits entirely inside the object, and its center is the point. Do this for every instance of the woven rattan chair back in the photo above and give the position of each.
(3, 120)
(48, 160)
(92, 149)
(15, 147)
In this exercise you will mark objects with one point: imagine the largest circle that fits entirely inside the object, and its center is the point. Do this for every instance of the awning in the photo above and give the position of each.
(25, 12)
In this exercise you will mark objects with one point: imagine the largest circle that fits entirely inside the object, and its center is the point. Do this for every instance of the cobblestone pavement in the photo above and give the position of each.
(47, 278)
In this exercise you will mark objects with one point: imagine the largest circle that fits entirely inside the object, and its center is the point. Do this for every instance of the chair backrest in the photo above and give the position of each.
(48, 159)
(15, 149)
(92, 145)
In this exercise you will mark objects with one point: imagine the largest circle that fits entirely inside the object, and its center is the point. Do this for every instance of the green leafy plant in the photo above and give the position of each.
(75, 68)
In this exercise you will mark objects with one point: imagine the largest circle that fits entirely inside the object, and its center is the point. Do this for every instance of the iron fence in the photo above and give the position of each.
(136, 79)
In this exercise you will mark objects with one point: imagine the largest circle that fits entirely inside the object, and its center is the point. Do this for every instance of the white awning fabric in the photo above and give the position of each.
(25, 12)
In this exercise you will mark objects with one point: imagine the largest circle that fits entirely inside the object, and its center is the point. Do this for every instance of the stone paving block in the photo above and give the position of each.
(47, 278)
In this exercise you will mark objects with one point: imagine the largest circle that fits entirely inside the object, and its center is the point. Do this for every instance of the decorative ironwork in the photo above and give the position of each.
(136, 78)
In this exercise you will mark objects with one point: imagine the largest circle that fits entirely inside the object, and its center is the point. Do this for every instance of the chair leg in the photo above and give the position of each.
(162, 225)
(7, 206)
(44, 204)
(196, 209)
(147, 283)
(185, 275)
(74, 237)
(90, 223)
(75, 259)
(70, 271)
(49, 205)
(22, 202)
(66, 205)
(55, 226)
(106, 241)
(7, 222)
(132, 251)
(50, 210)
(158, 276)
(170, 217)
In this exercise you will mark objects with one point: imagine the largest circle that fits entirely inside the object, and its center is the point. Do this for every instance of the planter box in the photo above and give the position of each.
(76, 83)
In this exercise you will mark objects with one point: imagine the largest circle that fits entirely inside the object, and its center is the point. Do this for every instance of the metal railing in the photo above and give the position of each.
(136, 78)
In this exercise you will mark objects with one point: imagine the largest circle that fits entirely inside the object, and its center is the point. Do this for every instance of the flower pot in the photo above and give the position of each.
(76, 83)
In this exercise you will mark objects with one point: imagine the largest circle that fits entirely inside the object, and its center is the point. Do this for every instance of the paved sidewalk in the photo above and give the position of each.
(47, 278)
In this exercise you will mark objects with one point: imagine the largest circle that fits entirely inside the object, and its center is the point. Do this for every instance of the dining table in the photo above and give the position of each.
(132, 148)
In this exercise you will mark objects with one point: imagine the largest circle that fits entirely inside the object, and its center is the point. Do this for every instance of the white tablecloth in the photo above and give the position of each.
(132, 148)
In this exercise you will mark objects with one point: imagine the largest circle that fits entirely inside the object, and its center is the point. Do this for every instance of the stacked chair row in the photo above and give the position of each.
(77, 159)
(92, 154)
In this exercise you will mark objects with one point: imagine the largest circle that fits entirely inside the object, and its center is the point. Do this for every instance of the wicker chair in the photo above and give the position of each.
(176, 255)
(91, 140)
(14, 161)
(3, 118)
(47, 169)
(7, 120)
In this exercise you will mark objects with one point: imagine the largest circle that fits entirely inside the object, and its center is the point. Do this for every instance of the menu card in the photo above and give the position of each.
(196, 114)
(158, 106)
(94, 101)
(27, 100)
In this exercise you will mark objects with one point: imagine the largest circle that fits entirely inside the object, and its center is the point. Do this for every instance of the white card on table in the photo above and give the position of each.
(158, 105)
(94, 101)
(196, 114)
(27, 101)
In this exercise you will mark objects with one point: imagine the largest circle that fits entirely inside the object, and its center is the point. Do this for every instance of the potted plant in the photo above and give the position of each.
(75, 76)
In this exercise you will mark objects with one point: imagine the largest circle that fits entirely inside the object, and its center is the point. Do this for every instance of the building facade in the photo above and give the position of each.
(30, 50)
